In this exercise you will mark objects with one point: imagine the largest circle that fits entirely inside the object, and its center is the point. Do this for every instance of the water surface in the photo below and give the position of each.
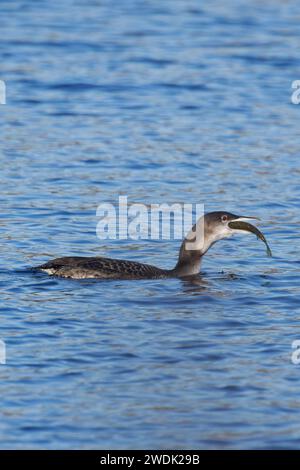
(174, 101)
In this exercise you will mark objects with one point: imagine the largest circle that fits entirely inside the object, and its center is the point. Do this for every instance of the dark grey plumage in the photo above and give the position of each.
(78, 267)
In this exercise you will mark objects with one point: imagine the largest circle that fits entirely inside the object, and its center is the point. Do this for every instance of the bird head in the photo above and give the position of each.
(215, 226)
(219, 225)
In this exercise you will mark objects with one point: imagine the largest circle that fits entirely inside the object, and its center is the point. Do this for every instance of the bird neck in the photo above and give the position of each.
(189, 261)
(199, 239)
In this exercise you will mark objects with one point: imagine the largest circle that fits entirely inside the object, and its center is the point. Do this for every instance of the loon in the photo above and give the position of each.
(209, 228)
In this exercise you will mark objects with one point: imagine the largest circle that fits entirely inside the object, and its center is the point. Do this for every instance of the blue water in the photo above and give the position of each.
(173, 101)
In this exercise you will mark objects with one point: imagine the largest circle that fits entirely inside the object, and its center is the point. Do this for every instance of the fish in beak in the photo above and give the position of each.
(242, 224)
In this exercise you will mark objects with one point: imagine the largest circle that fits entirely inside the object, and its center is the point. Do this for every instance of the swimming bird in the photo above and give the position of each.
(210, 228)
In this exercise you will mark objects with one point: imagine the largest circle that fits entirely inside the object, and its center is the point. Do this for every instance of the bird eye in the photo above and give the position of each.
(224, 218)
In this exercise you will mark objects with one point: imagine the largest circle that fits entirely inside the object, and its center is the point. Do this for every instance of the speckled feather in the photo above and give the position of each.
(78, 267)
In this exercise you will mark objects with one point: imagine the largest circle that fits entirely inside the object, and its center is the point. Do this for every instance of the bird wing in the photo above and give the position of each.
(103, 265)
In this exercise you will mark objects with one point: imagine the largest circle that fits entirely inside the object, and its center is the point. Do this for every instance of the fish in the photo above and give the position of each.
(239, 225)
